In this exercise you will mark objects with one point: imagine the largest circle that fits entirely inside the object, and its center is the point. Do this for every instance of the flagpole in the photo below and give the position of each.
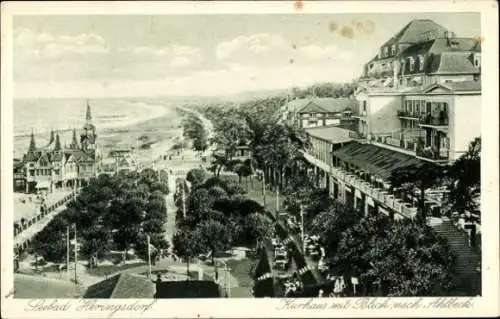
(149, 257)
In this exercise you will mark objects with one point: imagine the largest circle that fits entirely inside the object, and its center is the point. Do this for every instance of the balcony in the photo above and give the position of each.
(433, 121)
(397, 141)
(357, 136)
(408, 115)
(380, 195)
(362, 114)
(438, 156)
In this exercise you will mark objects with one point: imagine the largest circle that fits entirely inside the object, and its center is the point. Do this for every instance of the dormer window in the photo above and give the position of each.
(411, 61)
(477, 60)
(421, 61)
(393, 49)
(386, 51)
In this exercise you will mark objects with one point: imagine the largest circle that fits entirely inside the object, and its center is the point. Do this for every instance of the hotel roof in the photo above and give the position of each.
(453, 63)
(329, 105)
(376, 160)
(441, 45)
(332, 134)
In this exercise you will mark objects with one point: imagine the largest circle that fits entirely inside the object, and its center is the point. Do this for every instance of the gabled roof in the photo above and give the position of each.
(329, 105)
(452, 63)
(32, 156)
(297, 104)
(57, 156)
(464, 86)
(418, 30)
(44, 158)
(123, 285)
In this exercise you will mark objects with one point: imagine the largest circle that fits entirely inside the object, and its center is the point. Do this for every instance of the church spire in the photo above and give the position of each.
(32, 146)
(57, 146)
(88, 115)
(51, 139)
(74, 141)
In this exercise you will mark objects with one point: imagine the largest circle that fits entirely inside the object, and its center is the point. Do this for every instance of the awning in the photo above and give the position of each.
(43, 184)
(378, 161)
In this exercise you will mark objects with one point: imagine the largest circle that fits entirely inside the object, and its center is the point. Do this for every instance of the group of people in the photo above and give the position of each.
(293, 285)
(467, 222)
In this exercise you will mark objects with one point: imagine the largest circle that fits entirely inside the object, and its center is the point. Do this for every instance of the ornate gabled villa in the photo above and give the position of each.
(54, 166)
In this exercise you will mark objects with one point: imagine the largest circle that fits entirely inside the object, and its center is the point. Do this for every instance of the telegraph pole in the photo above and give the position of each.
(149, 257)
(183, 199)
(76, 256)
(264, 187)
(277, 199)
(67, 252)
(302, 229)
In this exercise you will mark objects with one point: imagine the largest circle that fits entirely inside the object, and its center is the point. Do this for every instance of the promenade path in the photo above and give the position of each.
(28, 209)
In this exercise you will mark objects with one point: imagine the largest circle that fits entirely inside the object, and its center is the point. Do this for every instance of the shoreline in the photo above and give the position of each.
(156, 129)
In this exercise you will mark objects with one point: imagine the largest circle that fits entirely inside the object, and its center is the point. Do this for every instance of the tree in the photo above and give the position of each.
(417, 178)
(196, 176)
(465, 179)
(96, 241)
(257, 227)
(213, 236)
(186, 244)
(401, 258)
(330, 224)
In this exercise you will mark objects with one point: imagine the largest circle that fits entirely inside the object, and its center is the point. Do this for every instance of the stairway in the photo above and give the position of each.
(466, 281)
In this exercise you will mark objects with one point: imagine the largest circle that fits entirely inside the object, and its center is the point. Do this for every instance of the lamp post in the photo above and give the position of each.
(227, 278)
(302, 228)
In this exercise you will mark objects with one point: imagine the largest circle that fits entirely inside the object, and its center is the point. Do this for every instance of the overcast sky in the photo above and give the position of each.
(93, 56)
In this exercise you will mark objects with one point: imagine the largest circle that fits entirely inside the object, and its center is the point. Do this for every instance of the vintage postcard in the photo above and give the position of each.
(249, 159)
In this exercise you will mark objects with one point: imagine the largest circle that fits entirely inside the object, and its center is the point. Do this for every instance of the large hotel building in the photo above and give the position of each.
(418, 100)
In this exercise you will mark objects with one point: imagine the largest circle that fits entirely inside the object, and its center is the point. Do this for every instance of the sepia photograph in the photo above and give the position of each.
(322, 155)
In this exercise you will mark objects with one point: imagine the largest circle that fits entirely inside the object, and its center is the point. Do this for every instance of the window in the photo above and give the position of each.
(421, 61)
(393, 49)
(477, 60)
(364, 106)
(412, 64)
(386, 51)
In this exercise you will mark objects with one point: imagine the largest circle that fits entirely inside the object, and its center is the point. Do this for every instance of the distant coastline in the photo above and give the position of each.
(156, 120)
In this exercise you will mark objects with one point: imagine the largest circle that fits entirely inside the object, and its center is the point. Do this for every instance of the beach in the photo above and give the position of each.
(119, 122)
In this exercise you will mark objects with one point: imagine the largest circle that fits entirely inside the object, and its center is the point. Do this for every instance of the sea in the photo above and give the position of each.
(109, 115)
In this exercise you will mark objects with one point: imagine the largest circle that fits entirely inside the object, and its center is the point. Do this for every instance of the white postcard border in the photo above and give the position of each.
(486, 305)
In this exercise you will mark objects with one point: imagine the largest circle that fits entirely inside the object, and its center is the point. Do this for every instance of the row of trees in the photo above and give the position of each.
(329, 90)
(111, 212)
